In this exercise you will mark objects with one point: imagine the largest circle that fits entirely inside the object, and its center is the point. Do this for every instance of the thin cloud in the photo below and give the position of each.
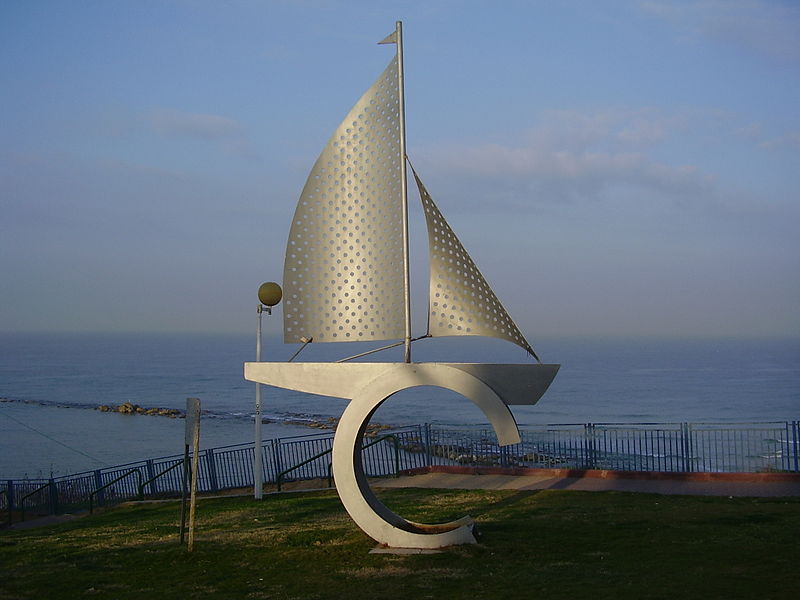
(789, 141)
(764, 26)
(579, 155)
(195, 125)
(755, 133)
(574, 171)
(226, 132)
(623, 128)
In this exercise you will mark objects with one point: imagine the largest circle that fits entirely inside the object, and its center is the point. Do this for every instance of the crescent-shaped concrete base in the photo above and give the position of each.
(377, 521)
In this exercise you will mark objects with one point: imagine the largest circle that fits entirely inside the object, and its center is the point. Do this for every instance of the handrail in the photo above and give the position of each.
(279, 478)
(123, 476)
(152, 479)
(395, 443)
(26, 496)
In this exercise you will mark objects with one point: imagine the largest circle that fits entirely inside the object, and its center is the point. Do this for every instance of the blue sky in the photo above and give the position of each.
(614, 168)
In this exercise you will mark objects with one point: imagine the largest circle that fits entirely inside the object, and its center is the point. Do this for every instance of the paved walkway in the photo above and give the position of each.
(594, 484)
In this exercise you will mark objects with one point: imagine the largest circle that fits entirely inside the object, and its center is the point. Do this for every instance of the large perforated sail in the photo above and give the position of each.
(343, 273)
(460, 300)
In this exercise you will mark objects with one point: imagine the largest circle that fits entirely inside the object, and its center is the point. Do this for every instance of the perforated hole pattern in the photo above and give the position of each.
(461, 301)
(343, 272)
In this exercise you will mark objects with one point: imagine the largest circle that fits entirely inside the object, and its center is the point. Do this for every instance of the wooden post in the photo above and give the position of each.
(184, 491)
(193, 437)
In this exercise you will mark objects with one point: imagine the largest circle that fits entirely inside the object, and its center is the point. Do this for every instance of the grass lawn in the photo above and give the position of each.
(534, 544)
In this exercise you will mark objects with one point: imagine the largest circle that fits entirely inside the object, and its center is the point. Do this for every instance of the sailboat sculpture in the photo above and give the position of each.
(346, 278)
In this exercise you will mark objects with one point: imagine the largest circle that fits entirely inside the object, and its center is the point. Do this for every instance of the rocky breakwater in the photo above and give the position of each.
(372, 429)
(128, 408)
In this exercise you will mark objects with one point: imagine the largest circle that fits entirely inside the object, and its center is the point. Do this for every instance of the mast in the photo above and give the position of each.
(404, 192)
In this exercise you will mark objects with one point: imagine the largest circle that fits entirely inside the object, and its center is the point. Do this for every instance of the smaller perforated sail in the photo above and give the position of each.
(343, 273)
(460, 299)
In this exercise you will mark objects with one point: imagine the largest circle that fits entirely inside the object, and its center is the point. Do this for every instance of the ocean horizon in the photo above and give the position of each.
(52, 384)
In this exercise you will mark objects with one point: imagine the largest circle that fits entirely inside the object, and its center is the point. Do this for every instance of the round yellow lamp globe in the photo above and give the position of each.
(270, 293)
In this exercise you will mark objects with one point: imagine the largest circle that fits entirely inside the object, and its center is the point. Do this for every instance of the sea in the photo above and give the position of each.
(51, 386)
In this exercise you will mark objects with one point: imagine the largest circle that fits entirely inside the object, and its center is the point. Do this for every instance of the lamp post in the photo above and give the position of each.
(269, 294)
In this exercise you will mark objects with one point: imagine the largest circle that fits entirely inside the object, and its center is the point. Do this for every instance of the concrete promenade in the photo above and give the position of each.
(695, 484)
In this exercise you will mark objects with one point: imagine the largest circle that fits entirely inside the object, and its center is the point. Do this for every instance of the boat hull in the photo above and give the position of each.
(515, 384)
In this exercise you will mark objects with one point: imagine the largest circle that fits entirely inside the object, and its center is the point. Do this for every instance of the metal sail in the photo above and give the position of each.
(343, 273)
(460, 300)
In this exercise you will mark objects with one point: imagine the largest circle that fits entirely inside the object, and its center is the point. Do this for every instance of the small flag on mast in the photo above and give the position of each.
(389, 39)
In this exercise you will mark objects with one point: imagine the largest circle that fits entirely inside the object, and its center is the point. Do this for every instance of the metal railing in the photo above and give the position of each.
(664, 447)
(389, 436)
(670, 447)
(156, 477)
(52, 504)
(112, 482)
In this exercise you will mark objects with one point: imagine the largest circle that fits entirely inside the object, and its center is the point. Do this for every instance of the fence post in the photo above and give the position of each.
(276, 452)
(686, 435)
(98, 483)
(151, 474)
(795, 443)
(263, 464)
(588, 446)
(10, 495)
(212, 470)
(428, 444)
(265, 461)
(683, 447)
(53, 493)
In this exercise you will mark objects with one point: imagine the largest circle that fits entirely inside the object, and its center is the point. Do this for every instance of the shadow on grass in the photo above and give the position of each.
(504, 503)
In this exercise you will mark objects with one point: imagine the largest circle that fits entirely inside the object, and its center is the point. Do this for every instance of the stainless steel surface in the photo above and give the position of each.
(513, 383)
(461, 302)
(346, 278)
(343, 273)
(404, 193)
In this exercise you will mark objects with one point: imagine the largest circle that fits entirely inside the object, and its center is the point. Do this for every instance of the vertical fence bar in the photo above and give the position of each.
(428, 449)
(276, 452)
(151, 473)
(585, 448)
(787, 455)
(52, 497)
(212, 470)
(98, 483)
(685, 451)
(588, 455)
(10, 496)
(267, 461)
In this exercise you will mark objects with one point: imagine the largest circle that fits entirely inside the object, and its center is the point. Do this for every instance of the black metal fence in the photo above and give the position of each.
(665, 447)
(670, 447)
